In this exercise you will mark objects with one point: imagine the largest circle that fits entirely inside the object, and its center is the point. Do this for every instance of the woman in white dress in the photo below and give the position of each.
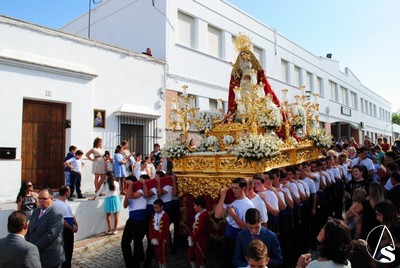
(98, 166)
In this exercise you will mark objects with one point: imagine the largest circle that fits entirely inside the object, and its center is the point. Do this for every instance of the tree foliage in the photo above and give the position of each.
(396, 118)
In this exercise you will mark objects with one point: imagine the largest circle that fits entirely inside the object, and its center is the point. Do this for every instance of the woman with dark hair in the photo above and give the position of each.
(387, 215)
(27, 199)
(119, 168)
(335, 248)
(112, 204)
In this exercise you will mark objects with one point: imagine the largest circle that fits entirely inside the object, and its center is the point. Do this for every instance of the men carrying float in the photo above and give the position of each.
(236, 216)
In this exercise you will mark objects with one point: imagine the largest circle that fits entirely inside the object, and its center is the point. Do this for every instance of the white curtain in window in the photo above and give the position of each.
(296, 76)
(214, 41)
(309, 82)
(320, 88)
(185, 30)
(258, 52)
(212, 104)
(285, 71)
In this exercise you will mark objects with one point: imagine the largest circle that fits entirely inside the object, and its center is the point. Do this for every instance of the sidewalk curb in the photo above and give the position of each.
(94, 242)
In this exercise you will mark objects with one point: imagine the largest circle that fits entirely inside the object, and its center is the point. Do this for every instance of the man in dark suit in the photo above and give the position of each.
(14, 250)
(256, 231)
(46, 231)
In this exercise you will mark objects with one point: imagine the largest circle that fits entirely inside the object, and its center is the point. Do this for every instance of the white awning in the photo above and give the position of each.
(128, 109)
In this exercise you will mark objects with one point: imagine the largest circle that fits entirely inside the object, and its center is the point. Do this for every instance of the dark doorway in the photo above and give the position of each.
(43, 143)
(134, 135)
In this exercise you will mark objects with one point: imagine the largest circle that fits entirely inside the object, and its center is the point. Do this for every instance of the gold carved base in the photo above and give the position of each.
(207, 174)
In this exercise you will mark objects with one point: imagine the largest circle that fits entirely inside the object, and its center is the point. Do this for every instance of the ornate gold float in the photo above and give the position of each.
(287, 133)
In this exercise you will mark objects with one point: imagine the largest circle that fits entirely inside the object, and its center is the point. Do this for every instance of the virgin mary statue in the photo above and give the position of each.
(246, 72)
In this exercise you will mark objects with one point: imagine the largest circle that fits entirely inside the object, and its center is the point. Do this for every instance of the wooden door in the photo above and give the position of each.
(43, 143)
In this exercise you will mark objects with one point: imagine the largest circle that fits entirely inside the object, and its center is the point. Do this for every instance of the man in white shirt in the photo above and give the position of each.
(363, 160)
(142, 170)
(70, 223)
(236, 216)
(256, 200)
(135, 225)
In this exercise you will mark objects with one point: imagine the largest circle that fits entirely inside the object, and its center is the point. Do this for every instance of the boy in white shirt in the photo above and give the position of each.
(75, 164)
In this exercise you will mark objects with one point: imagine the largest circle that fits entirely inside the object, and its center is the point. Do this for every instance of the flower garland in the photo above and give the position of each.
(320, 137)
(258, 146)
(298, 116)
(207, 119)
(174, 149)
(228, 140)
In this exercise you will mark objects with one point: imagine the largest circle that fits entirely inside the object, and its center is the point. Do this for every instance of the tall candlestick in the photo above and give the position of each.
(173, 104)
(302, 90)
(315, 95)
(184, 90)
(284, 94)
(219, 105)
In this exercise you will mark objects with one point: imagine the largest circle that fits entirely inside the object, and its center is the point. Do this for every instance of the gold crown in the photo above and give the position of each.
(243, 42)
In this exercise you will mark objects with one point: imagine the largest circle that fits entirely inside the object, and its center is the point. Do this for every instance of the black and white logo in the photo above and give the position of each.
(381, 245)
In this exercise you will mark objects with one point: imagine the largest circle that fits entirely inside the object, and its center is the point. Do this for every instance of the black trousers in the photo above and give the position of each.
(228, 252)
(68, 236)
(75, 181)
(175, 219)
(134, 230)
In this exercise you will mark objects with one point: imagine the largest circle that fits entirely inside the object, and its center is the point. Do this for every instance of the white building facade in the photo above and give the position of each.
(195, 38)
(54, 83)
(53, 86)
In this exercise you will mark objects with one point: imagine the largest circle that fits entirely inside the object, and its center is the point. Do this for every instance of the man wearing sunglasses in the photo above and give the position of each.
(46, 230)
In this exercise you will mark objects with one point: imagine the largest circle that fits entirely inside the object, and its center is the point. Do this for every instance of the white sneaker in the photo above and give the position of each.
(115, 232)
(109, 232)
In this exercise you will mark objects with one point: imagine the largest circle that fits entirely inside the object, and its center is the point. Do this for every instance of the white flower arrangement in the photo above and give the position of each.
(258, 146)
(298, 116)
(207, 119)
(212, 140)
(174, 149)
(320, 137)
(270, 118)
(228, 140)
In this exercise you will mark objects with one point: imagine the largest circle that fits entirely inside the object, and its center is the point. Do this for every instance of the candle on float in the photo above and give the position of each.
(173, 104)
(219, 104)
(284, 94)
(184, 90)
(302, 90)
(260, 90)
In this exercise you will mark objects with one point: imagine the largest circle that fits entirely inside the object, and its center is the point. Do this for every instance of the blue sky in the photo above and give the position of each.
(363, 35)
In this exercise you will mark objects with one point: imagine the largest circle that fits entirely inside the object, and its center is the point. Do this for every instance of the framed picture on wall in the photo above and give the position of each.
(99, 118)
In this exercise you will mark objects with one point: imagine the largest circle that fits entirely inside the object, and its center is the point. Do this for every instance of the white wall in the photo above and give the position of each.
(134, 25)
(90, 216)
(83, 74)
